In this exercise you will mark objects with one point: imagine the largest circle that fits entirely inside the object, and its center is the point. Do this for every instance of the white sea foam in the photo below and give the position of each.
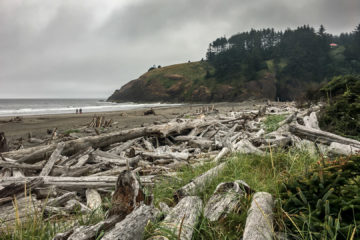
(9, 108)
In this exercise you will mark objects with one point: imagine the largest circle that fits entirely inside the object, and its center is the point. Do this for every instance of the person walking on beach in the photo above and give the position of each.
(77, 111)
(80, 111)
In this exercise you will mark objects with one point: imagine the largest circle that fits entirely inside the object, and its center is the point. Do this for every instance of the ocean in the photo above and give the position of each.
(23, 107)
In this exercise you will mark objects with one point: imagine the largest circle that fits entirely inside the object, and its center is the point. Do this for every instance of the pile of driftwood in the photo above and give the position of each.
(66, 176)
(99, 121)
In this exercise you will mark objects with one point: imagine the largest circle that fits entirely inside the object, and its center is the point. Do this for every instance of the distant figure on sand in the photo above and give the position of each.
(80, 111)
(77, 111)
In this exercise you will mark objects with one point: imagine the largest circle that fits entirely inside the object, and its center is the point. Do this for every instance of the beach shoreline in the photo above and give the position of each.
(38, 125)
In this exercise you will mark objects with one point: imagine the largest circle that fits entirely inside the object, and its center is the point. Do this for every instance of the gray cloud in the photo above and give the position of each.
(88, 48)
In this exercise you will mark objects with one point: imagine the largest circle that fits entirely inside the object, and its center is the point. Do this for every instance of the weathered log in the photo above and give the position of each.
(36, 140)
(133, 226)
(221, 154)
(202, 143)
(111, 172)
(103, 140)
(127, 196)
(342, 149)
(92, 231)
(259, 222)
(288, 120)
(183, 218)
(93, 199)
(74, 205)
(119, 149)
(245, 146)
(224, 200)
(74, 159)
(19, 187)
(198, 183)
(53, 158)
(166, 155)
(19, 209)
(59, 201)
(311, 121)
(21, 165)
(320, 136)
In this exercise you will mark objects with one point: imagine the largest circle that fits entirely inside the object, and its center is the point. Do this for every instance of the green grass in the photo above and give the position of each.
(262, 173)
(194, 71)
(271, 122)
(67, 132)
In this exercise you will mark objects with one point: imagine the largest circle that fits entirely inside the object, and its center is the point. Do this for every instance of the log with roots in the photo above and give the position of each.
(128, 195)
(199, 183)
(182, 219)
(3, 143)
(311, 121)
(71, 147)
(133, 226)
(259, 222)
(320, 136)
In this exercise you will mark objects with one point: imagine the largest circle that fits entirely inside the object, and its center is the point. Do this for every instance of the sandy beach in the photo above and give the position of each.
(38, 125)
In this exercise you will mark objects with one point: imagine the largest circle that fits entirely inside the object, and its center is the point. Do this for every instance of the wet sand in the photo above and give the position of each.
(37, 125)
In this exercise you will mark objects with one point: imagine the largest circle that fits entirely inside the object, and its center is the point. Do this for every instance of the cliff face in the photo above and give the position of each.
(192, 82)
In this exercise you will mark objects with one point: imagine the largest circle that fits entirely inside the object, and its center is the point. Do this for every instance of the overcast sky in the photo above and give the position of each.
(88, 48)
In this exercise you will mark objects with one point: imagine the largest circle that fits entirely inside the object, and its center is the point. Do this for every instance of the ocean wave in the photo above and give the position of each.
(71, 109)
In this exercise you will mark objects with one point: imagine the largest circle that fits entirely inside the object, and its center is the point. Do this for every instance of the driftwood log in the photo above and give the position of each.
(199, 183)
(224, 200)
(133, 226)
(183, 218)
(259, 222)
(320, 136)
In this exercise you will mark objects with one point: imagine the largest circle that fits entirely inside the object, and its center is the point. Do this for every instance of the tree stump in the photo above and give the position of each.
(3, 143)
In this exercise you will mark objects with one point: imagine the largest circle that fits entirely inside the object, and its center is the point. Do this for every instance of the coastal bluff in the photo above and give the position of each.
(193, 82)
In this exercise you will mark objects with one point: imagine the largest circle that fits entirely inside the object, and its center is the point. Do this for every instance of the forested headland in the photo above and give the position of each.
(270, 64)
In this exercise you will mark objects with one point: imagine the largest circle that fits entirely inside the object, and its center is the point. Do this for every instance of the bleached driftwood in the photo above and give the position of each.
(259, 222)
(225, 198)
(103, 140)
(320, 136)
(92, 231)
(59, 201)
(311, 121)
(199, 183)
(183, 218)
(224, 151)
(54, 157)
(19, 208)
(93, 199)
(15, 188)
(133, 226)
(342, 149)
